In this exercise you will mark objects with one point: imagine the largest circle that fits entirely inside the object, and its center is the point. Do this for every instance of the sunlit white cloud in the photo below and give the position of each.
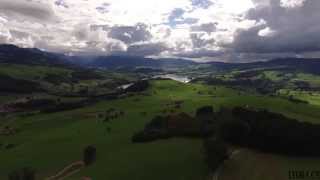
(266, 32)
(292, 3)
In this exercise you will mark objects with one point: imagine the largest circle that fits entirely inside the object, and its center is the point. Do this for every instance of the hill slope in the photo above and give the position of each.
(16, 55)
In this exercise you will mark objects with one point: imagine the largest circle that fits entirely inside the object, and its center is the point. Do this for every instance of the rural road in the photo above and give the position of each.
(68, 171)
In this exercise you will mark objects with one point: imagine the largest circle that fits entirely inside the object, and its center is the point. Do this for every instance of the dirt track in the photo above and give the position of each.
(68, 171)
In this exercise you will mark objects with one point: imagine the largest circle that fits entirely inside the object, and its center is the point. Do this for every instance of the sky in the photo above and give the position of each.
(202, 30)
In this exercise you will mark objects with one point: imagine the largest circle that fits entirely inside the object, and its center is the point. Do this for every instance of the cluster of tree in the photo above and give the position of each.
(57, 79)
(305, 86)
(180, 124)
(156, 129)
(263, 130)
(44, 105)
(7, 146)
(247, 74)
(111, 114)
(13, 85)
(216, 152)
(175, 104)
(162, 127)
(207, 118)
(74, 77)
(65, 106)
(32, 104)
(295, 100)
(146, 70)
(85, 74)
(204, 124)
(8, 131)
(89, 155)
(302, 85)
(113, 83)
(269, 131)
(139, 86)
(263, 86)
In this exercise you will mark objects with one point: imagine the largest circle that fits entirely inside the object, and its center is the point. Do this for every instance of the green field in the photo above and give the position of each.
(309, 96)
(49, 142)
(31, 72)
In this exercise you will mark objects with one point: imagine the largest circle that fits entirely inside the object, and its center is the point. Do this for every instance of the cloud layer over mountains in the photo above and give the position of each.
(223, 30)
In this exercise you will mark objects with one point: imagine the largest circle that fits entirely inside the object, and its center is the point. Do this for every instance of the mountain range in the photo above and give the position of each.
(32, 56)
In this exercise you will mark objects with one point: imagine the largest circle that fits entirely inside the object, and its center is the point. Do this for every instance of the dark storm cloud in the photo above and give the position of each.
(104, 8)
(251, 57)
(19, 34)
(130, 34)
(294, 29)
(298, 42)
(96, 27)
(81, 31)
(146, 49)
(22, 10)
(208, 27)
(199, 41)
(200, 53)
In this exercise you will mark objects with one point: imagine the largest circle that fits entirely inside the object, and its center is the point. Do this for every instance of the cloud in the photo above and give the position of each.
(146, 49)
(104, 8)
(61, 3)
(130, 34)
(227, 30)
(201, 40)
(4, 35)
(176, 14)
(292, 3)
(206, 27)
(205, 4)
(201, 53)
(27, 9)
(285, 29)
(176, 18)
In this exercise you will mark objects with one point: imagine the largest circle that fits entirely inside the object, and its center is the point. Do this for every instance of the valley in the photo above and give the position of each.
(159, 90)
(49, 114)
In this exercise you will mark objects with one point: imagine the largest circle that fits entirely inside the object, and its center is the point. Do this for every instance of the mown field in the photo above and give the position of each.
(248, 164)
(49, 142)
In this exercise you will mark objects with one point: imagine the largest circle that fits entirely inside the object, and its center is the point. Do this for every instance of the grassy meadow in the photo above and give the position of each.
(50, 141)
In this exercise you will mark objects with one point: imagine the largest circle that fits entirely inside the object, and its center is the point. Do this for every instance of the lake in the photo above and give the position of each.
(179, 78)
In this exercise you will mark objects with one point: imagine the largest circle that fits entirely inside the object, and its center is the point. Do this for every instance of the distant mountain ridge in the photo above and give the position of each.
(300, 64)
(32, 56)
(115, 62)
(29, 56)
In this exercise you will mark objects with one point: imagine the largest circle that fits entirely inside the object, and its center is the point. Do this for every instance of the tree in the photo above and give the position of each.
(89, 155)
(15, 175)
(28, 174)
(235, 131)
(206, 117)
(138, 86)
(216, 152)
